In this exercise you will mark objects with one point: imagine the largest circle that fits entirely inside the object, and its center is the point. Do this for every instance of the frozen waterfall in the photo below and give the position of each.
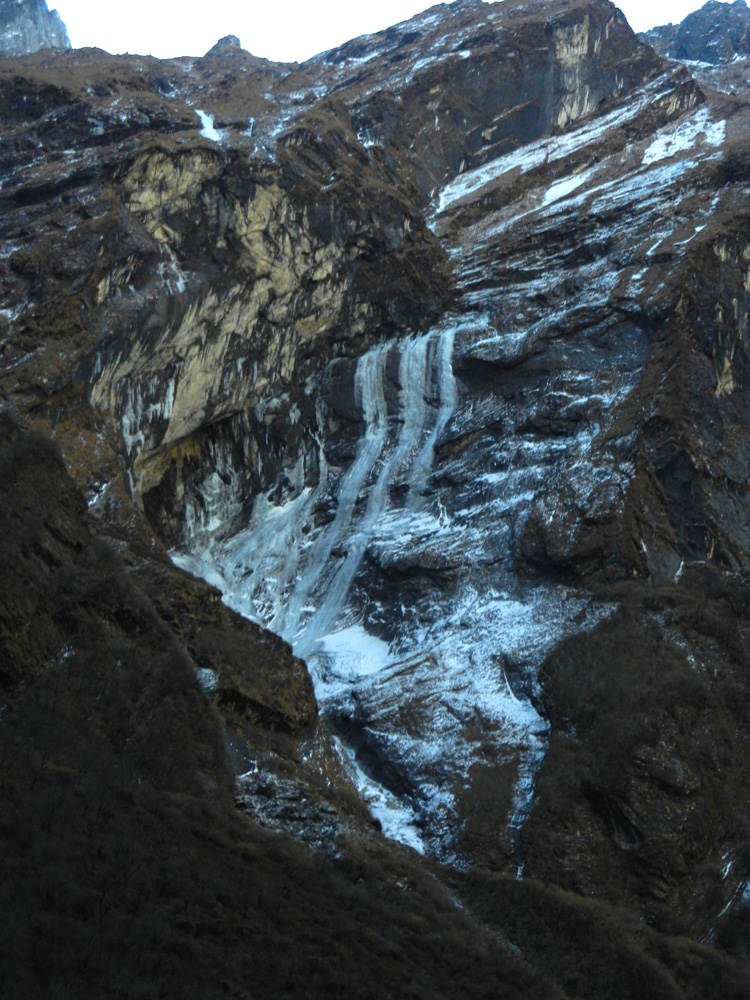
(296, 580)
(421, 675)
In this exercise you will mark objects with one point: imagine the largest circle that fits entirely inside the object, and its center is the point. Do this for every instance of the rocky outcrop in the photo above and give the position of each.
(717, 33)
(28, 26)
(641, 779)
(227, 42)
(714, 40)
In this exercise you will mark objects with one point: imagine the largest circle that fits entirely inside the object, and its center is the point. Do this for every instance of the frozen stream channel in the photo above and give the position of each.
(422, 678)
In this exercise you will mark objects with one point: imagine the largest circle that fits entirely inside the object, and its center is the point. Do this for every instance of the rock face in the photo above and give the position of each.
(28, 26)
(714, 40)
(459, 495)
(227, 42)
(717, 33)
(430, 356)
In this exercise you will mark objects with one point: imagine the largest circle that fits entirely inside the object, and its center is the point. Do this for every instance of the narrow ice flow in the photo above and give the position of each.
(727, 862)
(370, 394)
(523, 794)
(448, 400)
(423, 360)
(295, 579)
(275, 567)
(741, 892)
(396, 820)
(208, 131)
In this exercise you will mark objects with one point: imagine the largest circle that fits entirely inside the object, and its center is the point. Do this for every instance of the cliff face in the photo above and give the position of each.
(28, 26)
(429, 355)
(717, 33)
(714, 40)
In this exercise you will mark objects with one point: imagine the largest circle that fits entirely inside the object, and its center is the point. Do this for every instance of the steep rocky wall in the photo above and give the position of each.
(563, 60)
(640, 795)
(468, 296)
(471, 82)
(212, 295)
(217, 295)
(253, 294)
(28, 26)
(692, 443)
(717, 33)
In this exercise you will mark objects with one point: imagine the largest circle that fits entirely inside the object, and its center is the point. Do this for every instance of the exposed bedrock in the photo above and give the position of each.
(481, 492)
(717, 33)
(431, 355)
(28, 26)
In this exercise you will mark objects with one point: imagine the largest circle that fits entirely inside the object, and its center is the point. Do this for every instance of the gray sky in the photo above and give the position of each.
(284, 30)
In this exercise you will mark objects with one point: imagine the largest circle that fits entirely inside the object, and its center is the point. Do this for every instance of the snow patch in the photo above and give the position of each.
(565, 187)
(98, 494)
(686, 136)
(368, 138)
(13, 314)
(396, 820)
(208, 131)
(351, 653)
(208, 679)
(201, 566)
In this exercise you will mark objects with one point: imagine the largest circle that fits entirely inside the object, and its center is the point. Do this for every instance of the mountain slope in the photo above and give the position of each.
(430, 355)
(713, 40)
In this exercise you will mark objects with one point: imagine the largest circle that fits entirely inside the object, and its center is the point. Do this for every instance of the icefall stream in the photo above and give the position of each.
(430, 691)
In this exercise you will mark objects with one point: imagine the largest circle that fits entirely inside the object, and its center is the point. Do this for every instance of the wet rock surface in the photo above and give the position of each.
(428, 355)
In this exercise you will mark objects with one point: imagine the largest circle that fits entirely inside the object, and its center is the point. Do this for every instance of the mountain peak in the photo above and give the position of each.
(227, 42)
(28, 26)
(716, 33)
